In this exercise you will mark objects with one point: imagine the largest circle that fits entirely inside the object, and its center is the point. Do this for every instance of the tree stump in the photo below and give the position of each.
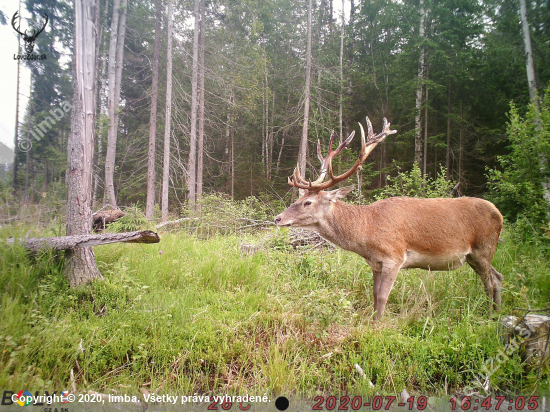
(530, 334)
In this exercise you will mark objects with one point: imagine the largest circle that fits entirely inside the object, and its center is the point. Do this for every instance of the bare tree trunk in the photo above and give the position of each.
(302, 156)
(460, 148)
(270, 138)
(448, 149)
(16, 136)
(529, 63)
(352, 37)
(425, 154)
(166, 163)
(280, 152)
(81, 266)
(111, 136)
(97, 155)
(192, 181)
(419, 87)
(232, 134)
(531, 79)
(341, 103)
(151, 172)
(200, 149)
(121, 35)
(330, 23)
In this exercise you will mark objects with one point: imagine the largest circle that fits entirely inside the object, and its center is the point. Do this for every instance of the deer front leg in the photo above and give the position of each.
(383, 286)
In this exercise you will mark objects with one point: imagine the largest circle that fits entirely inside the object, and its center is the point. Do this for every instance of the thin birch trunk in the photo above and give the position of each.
(200, 149)
(166, 163)
(111, 137)
(421, 62)
(341, 103)
(302, 156)
(151, 171)
(531, 79)
(192, 168)
(425, 154)
(448, 148)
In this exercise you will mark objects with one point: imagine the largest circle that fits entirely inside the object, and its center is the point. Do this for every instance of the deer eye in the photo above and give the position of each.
(307, 203)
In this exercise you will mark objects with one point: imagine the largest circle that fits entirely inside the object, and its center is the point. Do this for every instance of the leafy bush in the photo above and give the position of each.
(517, 189)
(412, 184)
(132, 221)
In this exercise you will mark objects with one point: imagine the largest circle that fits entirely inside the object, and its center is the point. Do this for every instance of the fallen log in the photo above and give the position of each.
(70, 242)
(103, 218)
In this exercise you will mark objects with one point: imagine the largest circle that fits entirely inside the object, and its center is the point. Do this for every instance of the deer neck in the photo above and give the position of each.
(340, 225)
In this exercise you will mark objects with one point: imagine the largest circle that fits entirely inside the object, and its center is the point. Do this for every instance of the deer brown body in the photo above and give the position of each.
(401, 233)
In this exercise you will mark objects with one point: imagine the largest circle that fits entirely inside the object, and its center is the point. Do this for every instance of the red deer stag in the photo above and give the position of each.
(400, 232)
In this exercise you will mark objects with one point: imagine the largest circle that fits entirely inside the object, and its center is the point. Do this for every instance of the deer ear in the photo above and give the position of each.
(334, 195)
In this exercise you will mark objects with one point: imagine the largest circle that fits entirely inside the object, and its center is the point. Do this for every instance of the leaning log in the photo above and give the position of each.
(70, 242)
(104, 217)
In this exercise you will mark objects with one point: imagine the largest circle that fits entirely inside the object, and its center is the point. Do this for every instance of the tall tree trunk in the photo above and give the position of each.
(330, 22)
(425, 151)
(232, 137)
(529, 63)
(351, 27)
(200, 149)
(421, 63)
(81, 266)
(341, 102)
(28, 154)
(121, 35)
(16, 136)
(192, 181)
(166, 163)
(111, 135)
(448, 149)
(531, 79)
(151, 172)
(97, 155)
(302, 156)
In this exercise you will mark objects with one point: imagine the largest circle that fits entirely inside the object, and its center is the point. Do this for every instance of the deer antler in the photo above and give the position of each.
(18, 27)
(367, 146)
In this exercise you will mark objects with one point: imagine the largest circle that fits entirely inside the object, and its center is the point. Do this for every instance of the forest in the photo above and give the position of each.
(194, 114)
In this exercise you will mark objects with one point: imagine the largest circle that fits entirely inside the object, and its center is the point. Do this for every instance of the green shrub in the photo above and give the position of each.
(413, 184)
(517, 189)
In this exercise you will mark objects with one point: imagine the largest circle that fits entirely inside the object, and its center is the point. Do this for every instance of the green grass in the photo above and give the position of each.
(189, 315)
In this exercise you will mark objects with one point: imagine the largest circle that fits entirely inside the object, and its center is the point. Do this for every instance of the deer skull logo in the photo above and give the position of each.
(29, 39)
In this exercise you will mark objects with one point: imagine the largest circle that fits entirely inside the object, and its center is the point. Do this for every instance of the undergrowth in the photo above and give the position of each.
(189, 315)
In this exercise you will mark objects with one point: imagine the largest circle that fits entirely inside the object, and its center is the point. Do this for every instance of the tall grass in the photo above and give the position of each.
(189, 315)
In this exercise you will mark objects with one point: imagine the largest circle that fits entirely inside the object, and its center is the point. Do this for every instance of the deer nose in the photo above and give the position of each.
(277, 220)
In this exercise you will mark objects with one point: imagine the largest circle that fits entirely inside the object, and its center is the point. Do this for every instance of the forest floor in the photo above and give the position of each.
(192, 316)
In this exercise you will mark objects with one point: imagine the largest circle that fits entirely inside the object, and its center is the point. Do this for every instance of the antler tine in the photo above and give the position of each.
(369, 127)
(13, 23)
(319, 154)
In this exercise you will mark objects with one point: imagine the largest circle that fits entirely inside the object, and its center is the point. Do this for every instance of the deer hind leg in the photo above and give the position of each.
(497, 287)
(383, 284)
(491, 279)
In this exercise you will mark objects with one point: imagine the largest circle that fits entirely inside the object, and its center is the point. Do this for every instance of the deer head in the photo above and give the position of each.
(29, 39)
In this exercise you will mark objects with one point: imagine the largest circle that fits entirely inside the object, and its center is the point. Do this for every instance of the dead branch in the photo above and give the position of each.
(71, 242)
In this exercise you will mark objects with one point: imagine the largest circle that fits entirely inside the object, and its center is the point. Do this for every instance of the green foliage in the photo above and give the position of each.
(197, 316)
(413, 184)
(517, 189)
(132, 221)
